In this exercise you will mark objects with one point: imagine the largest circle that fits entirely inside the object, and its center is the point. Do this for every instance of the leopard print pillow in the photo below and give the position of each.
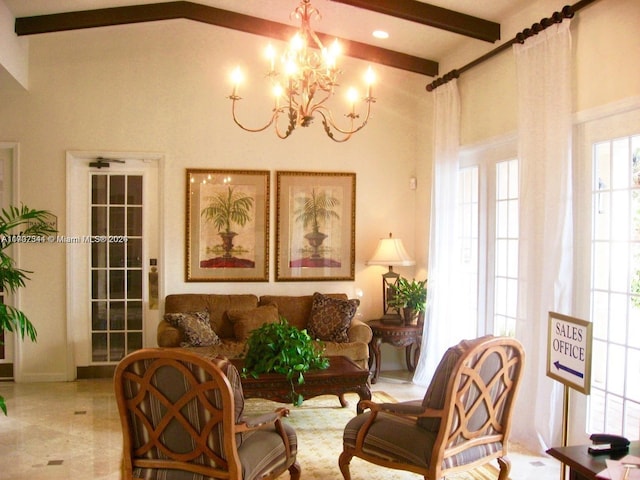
(196, 326)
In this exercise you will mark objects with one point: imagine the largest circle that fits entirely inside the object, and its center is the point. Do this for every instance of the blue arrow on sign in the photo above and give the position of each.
(559, 366)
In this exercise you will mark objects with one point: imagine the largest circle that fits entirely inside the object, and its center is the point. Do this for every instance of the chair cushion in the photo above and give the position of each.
(245, 321)
(472, 454)
(330, 318)
(392, 437)
(263, 451)
(196, 327)
(231, 372)
(435, 395)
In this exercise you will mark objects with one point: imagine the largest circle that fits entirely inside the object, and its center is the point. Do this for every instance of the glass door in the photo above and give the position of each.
(608, 275)
(112, 269)
(116, 265)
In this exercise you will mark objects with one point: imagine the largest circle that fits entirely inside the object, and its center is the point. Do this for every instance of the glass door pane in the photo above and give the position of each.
(116, 264)
(506, 248)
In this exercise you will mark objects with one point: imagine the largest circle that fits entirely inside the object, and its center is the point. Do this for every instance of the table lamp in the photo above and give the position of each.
(390, 252)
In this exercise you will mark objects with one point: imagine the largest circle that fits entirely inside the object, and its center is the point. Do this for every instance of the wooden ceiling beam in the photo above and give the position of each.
(213, 16)
(432, 16)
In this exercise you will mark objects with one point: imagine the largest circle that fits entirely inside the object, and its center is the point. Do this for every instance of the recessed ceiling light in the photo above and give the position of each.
(380, 34)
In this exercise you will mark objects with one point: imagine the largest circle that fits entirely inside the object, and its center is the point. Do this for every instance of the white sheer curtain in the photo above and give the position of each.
(545, 260)
(443, 325)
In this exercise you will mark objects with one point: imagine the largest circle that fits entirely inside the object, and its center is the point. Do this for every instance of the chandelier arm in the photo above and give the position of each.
(274, 116)
(330, 134)
(290, 127)
(328, 117)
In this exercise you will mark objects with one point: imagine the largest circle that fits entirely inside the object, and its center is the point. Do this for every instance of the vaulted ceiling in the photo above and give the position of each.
(420, 34)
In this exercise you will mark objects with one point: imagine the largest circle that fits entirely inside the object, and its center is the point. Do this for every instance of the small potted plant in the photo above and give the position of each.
(410, 297)
(282, 348)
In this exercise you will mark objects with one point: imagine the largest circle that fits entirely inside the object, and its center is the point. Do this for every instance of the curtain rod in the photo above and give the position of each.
(567, 11)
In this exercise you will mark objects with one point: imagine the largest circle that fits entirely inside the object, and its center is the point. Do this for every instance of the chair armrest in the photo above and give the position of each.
(412, 408)
(253, 423)
(359, 332)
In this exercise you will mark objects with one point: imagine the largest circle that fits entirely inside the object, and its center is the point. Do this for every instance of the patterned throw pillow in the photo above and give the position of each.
(196, 326)
(330, 318)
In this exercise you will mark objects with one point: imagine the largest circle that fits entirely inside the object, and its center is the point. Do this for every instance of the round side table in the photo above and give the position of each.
(407, 336)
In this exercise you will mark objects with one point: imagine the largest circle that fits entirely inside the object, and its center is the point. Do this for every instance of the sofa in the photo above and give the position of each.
(219, 324)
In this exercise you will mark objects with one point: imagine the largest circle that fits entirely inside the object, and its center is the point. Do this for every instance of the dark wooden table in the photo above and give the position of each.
(584, 466)
(407, 336)
(342, 376)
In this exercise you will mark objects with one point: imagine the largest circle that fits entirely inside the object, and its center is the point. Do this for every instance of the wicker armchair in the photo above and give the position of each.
(462, 422)
(181, 416)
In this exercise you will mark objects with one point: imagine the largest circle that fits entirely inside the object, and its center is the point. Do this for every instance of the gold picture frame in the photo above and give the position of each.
(315, 233)
(227, 226)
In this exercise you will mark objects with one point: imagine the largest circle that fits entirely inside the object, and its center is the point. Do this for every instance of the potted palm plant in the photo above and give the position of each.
(410, 297)
(314, 210)
(226, 209)
(18, 225)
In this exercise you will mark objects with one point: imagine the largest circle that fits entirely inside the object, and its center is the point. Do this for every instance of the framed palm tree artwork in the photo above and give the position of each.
(227, 227)
(315, 234)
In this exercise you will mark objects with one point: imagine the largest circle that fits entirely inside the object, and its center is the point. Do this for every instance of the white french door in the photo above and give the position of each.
(112, 244)
(609, 273)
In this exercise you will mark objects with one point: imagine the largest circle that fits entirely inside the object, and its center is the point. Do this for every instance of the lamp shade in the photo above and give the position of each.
(391, 252)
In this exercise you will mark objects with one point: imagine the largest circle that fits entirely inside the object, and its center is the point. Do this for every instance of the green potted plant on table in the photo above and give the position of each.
(282, 348)
(34, 227)
(410, 297)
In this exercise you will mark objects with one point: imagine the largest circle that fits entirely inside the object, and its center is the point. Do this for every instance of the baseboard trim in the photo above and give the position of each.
(6, 371)
(95, 371)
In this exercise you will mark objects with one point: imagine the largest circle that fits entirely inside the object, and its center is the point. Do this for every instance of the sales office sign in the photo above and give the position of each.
(569, 351)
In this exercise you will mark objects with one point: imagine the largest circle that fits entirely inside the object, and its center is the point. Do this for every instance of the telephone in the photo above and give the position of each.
(604, 443)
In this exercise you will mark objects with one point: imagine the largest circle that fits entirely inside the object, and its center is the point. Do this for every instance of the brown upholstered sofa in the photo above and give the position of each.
(232, 317)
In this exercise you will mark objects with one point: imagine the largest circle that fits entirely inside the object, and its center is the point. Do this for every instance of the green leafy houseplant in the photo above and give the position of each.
(33, 229)
(411, 295)
(282, 348)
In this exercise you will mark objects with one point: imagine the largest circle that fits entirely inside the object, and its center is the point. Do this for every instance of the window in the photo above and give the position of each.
(506, 249)
(607, 260)
(614, 404)
(488, 202)
(468, 239)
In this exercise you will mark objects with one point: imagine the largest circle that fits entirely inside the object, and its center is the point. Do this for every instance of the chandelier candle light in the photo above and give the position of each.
(303, 79)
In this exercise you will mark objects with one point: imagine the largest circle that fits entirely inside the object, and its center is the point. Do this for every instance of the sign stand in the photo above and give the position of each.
(565, 427)
(569, 361)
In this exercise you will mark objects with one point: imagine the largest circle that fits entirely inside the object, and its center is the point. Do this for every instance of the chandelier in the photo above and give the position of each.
(303, 79)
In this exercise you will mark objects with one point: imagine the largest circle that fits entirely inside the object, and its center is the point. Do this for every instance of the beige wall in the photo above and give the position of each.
(161, 87)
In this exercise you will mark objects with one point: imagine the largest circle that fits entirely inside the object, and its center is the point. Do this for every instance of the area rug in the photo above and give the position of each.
(319, 424)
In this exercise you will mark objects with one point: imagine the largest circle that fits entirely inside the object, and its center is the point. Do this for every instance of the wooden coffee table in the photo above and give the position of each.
(342, 376)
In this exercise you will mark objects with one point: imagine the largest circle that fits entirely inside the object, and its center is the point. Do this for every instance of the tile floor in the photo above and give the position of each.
(59, 431)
